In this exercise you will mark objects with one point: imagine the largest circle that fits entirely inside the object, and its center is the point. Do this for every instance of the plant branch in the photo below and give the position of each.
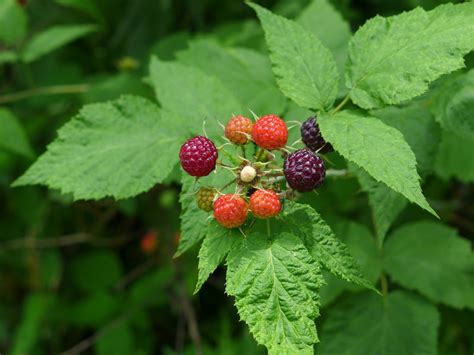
(341, 105)
(47, 90)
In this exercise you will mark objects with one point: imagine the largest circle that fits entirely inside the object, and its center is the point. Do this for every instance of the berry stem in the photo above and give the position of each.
(48, 90)
(341, 105)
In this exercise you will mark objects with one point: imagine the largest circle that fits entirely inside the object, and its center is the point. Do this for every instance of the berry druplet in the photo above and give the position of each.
(198, 156)
(265, 204)
(230, 210)
(238, 129)
(312, 138)
(304, 170)
(270, 132)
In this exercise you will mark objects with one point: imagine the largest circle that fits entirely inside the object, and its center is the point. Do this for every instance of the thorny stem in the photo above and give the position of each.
(341, 105)
(48, 90)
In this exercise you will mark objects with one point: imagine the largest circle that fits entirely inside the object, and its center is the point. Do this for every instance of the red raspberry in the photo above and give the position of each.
(238, 129)
(265, 204)
(149, 242)
(270, 132)
(230, 210)
(198, 156)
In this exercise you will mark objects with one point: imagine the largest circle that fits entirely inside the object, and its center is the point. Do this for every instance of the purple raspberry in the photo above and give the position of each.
(198, 156)
(304, 170)
(312, 138)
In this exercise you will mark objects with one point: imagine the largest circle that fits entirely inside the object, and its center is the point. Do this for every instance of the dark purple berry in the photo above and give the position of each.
(312, 138)
(198, 156)
(304, 170)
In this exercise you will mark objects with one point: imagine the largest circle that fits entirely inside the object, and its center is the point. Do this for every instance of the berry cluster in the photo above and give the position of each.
(260, 181)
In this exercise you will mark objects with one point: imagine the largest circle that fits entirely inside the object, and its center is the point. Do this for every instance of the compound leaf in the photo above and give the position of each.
(377, 148)
(118, 148)
(394, 59)
(305, 70)
(275, 283)
(441, 264)
(215, 247)
(399, 323)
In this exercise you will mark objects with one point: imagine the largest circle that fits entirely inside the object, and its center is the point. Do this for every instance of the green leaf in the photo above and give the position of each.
(119, 148)
(36, 308)
(215, 247)
(275, 283)
(454, 157)
(194, 95)
(85, 270)
(454, 105)
(394, 59)
(323, 244)
(8, 57)
(13, 22)
(385, 203)
(419, 129)
(321, 19)
(361, 244)
(92, 310)
(245, 72)
(12, 135)
(194, 221)
(399, 323)
(54, 38)
(379, 149)
(118, 340)
(441, 264)
(87, 6)
(305, 70)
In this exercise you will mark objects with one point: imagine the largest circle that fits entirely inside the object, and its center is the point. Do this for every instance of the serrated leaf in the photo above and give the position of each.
(323, 20)
(194, 95)
(54, 38)
(194, 221)
(245, 72)
(379, 149)
(361, 245)
(323, 244)
(441, 264)
(399, 323)
(454, 105)
(119, 148)
(275, 283)
(215, 247)
(305, 70)
(12, 135)
(385, 203)
(13, 22)
(454, 157)
(394, 59)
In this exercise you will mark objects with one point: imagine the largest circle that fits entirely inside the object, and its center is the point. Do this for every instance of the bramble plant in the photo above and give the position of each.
(358, 109)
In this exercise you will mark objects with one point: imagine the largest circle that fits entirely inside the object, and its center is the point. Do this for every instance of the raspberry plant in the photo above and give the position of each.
(277, 250)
